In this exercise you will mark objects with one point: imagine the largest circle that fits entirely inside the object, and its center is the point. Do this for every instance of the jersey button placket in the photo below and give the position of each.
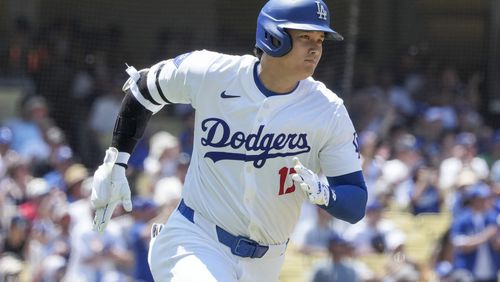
(263, 113)
(247, 196)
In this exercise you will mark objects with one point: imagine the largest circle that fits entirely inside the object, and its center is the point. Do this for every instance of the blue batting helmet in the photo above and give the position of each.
(278, 15)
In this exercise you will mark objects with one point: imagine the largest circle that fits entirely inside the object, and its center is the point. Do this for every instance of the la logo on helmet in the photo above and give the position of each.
(322, 13)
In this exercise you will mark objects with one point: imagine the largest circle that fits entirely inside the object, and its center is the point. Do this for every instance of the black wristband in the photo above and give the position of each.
(130, 124)
(122, 165)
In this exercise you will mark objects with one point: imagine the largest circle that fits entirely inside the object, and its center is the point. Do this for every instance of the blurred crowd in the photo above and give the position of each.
(425, 149)
(424, 144)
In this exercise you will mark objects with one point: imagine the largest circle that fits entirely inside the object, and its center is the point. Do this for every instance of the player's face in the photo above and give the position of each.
(307, 47)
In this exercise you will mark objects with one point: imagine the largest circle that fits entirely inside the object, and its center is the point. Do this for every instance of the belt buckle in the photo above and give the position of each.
(244, 247)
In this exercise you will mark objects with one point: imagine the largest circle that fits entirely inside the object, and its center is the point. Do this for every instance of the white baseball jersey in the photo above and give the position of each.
(245, 139)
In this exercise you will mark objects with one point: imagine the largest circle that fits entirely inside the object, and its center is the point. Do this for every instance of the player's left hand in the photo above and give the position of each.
(319, 193)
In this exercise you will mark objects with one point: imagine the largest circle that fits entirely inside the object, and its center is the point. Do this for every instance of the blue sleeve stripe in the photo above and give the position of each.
(179, 59)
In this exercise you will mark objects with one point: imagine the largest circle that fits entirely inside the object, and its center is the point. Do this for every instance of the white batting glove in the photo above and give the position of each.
(319, 193)
(110, 187)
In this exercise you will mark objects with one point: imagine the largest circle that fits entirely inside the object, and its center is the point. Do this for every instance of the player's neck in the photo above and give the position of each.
(275, 79)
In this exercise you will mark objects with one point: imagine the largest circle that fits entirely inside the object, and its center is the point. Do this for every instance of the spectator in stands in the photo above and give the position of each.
(400, 267)
(98, 257)
(144, 210)
(40, 211)
(495, 155)
(442, 255)
(376, 114)
(369, 235)
(475, 236)
(456, 197)
(61, 159)
(81, 212)
(14, 239)
(317, 237)
(464, 155)
(425, 195)
(397, 173)
(40, 200)
(53, 250)
(53, 269)
(338, 268)
(395, 95)
(13, 187)
(429, 131)
(374, 154)
(164, 149)
(73, 179)
(5, 139)
(104, 111)
(28, 129)
(167, 190)
(10, 268)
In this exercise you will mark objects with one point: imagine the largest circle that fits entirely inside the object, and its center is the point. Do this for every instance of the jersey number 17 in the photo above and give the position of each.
(284, 172)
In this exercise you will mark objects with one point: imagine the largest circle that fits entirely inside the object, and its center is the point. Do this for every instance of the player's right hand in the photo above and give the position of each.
(110, 188)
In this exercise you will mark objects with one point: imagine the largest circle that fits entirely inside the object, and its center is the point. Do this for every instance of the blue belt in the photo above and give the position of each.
(239, 245)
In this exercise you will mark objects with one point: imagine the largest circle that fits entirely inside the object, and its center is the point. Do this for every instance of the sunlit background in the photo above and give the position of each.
(421, 80)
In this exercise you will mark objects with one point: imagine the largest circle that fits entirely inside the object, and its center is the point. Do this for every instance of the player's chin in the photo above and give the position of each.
(308, 70)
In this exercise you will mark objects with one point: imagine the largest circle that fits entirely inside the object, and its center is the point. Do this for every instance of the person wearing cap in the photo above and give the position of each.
(338, 267)
(73, 178)
(232, 226)
(475, 236)
(464, 156)
(61, 159)
(455, 198)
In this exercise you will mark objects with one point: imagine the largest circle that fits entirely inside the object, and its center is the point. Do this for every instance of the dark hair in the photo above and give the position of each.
(258, 52)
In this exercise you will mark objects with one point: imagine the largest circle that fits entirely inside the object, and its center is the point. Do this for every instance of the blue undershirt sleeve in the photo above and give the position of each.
(351, 197)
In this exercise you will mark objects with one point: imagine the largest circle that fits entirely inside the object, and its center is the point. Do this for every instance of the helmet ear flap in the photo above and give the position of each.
(272, 39)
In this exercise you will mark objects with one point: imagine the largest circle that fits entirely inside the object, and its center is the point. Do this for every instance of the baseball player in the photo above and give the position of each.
(263, 130)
